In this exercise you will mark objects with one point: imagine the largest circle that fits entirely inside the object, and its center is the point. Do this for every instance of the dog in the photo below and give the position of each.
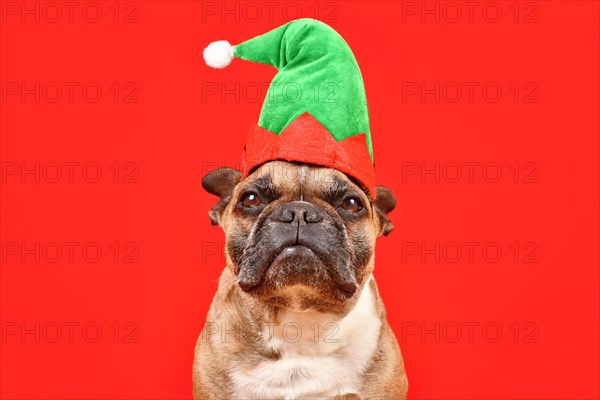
(297, 313)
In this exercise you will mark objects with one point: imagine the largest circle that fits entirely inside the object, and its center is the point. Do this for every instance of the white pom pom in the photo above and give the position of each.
(218, 54)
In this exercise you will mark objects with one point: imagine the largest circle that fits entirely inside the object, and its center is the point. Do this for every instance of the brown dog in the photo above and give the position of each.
(297, 314)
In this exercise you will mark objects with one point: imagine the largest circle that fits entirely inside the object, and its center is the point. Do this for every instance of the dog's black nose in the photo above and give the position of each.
(295, 211)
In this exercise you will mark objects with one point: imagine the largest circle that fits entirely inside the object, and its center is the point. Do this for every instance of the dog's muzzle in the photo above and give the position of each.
(297, 243)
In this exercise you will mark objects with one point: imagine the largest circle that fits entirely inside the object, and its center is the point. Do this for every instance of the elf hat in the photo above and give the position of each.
(315, 110)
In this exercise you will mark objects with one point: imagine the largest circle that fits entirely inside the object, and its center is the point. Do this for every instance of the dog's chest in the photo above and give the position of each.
(318, 359)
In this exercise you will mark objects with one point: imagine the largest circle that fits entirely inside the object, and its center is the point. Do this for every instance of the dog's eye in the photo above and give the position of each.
(352, 204)
(251, 200)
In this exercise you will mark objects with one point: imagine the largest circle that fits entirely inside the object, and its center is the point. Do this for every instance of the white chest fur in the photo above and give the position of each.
(320, 357)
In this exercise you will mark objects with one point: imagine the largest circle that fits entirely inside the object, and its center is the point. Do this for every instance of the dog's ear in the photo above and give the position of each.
(384, 203)
(220, 182)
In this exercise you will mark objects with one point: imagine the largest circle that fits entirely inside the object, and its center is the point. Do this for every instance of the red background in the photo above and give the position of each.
(168, 123)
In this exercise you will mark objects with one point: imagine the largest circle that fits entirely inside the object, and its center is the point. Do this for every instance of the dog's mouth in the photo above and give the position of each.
(300, 264)
(296, 251)
(300, 259)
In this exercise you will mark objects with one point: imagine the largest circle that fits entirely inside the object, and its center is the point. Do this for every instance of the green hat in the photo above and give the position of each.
(315, 110)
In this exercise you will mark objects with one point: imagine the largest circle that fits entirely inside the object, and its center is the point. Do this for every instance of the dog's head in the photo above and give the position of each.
(298, 235)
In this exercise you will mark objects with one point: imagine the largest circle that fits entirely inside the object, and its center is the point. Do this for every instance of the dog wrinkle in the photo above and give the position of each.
(302, 180)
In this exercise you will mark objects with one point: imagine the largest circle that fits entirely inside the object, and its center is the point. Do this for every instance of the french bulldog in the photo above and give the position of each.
(297, 313)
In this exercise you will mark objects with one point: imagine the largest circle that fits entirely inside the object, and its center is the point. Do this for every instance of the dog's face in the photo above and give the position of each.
(298, 235)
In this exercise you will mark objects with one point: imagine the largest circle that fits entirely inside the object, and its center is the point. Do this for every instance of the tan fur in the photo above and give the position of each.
(217, 356)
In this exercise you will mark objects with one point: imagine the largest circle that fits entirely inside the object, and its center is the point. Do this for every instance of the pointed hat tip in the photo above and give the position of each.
(218, 54)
